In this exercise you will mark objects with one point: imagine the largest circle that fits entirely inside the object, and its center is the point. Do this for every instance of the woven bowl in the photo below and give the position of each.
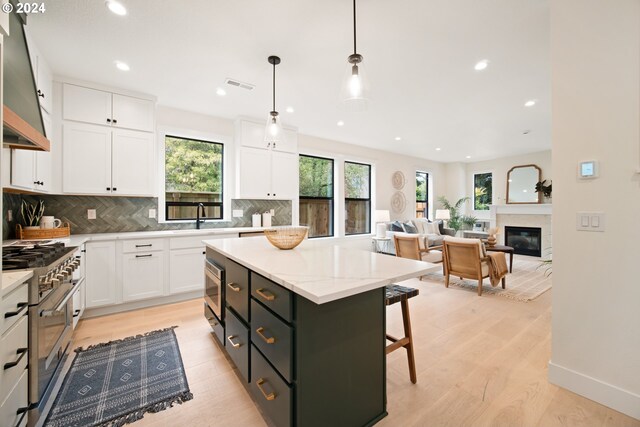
(286, 237)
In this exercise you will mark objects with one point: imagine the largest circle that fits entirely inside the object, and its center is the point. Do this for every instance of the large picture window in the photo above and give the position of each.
(193, 178)
(482, 191)
(422, 194)
(357, 187)
(316, 195)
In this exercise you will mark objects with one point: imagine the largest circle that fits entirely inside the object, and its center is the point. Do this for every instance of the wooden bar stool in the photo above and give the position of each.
(394, 294)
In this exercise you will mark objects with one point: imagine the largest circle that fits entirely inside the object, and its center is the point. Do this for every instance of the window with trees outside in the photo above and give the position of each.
(316, 195)
(482, 191)
(422, 194)
(193, 178)
(357, 187)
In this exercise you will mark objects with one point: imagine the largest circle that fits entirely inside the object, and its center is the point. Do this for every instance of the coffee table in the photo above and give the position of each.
(501, 248)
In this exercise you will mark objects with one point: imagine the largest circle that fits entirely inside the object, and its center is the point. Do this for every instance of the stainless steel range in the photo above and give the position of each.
(51, 292)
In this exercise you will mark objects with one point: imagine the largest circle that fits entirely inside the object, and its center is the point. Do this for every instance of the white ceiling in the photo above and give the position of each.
(418, 56)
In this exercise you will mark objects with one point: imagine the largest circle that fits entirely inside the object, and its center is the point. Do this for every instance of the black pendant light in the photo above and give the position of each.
(355, 91)
(273, 131)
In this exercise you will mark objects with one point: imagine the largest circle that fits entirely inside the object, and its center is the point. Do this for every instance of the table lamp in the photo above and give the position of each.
(380, 218)
(443, 214)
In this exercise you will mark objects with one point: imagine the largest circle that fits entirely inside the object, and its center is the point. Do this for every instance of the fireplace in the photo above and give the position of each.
(524, 240)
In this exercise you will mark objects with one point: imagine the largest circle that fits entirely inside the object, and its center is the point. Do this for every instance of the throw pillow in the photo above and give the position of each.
(409, 228)
(441, 228)
(432, 228)
(396, 226)
(421, 225)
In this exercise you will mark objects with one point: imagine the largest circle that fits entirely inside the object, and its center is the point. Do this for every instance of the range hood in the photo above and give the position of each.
(22, 125)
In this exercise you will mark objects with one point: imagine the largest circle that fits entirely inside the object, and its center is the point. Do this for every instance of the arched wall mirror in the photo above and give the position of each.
(521, 184)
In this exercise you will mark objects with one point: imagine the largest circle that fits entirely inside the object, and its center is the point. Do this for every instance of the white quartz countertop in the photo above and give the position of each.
(13, 279)
(320, 272)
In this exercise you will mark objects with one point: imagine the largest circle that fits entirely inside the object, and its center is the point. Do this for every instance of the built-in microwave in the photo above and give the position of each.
(214, 297)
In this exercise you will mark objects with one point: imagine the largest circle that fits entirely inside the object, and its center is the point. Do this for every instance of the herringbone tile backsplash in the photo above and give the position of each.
(122, 214)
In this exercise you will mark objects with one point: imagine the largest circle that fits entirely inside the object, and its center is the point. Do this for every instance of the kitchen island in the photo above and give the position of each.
(305, 328)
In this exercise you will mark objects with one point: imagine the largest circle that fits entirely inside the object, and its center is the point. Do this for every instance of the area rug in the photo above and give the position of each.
(529, 280)
(116, 383)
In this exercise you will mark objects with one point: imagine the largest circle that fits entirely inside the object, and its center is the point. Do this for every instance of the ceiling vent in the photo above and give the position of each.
(240, 84)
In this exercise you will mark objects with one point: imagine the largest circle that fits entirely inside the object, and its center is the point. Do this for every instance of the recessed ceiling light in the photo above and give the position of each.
(438, 149)
(481, 65)
(524, 191)
(340, 123)
(526, 132)
(467, 157)
(530, 103)
(122, 66)
(290, 110)
(116, 7)
(398, 138)
(221, 92)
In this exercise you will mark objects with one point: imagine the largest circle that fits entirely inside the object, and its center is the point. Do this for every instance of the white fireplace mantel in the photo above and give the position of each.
(523, 209)
(524, 215)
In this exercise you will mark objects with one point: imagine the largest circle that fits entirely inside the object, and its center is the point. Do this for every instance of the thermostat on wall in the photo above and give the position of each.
(588, 169)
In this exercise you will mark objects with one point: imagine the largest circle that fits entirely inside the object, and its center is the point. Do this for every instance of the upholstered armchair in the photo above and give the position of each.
(408, 246)
(467, 258)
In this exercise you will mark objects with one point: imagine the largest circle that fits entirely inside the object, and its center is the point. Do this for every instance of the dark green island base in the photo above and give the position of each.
(305, 364)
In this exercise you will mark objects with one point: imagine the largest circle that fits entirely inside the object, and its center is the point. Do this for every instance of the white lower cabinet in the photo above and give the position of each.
(142, 275)
(101, 274)
(186, 270)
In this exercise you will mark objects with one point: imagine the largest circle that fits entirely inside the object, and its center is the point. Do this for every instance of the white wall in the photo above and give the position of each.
(596, 276)
(499, 168)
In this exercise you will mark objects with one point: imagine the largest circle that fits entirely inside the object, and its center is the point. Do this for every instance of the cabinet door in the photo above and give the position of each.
(100, 280)
(252, 135)
(254, 173)
(43, 171)
(86, 105)
(186, 270)
(86, 159)
(284, 175)
(142, 275)
(133, 166)
(132, 113)
(23, 169)
(44, 83)
(289, 143)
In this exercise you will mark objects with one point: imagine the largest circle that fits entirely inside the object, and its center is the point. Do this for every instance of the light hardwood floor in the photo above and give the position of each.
(481, 361)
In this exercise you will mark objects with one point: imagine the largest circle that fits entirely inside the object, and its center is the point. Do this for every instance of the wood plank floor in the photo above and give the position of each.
(481, 361)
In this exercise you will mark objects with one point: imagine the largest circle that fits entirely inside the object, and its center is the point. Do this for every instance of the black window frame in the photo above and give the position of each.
(474, 190)
(331, 199)
(349, 199)
(219, 204)
(426, 194)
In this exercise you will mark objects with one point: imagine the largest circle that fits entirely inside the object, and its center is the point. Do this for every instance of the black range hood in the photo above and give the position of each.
(22, 125)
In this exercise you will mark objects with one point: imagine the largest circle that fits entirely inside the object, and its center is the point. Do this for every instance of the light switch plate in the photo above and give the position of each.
(590, 221)
(272, 212)
(91, 214)
(238, 213)
(152, 213)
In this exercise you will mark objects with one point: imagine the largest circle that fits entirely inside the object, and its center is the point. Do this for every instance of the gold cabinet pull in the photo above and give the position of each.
(270, 396)
(234, 344)
(269, 340)
(233, 288)
(263, 294)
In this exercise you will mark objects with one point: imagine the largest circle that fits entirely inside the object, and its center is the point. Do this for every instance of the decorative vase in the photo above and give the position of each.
(491, 240)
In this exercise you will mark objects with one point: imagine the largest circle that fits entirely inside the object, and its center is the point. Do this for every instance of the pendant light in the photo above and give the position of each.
(273, 132)
(355, 90)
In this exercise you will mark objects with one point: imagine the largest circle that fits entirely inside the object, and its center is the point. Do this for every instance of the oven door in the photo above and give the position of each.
(213, 279)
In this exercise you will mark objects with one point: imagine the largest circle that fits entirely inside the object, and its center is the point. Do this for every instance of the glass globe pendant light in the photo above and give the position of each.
(355, 89)
(273, 132)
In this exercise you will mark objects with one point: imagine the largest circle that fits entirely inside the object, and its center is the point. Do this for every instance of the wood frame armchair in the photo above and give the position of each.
(408, 246)
(466, 258)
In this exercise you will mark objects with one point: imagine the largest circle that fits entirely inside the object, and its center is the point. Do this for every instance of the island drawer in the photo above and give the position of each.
(274, 338)
(237, 289)
(237, 345)
(272, 394)
(272, 295)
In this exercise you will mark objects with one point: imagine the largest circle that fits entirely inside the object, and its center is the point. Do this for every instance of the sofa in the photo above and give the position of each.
(430, 234)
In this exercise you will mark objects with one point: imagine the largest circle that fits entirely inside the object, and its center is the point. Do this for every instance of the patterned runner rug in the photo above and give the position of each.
(116, 383)
(528, 281)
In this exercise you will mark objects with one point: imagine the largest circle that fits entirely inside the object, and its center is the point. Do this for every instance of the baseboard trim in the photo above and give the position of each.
(135, 305)
(607, 394)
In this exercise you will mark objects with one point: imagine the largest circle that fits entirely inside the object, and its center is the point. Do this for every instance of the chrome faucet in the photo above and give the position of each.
(200, 211)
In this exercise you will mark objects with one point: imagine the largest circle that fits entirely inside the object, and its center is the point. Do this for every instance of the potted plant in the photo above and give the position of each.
(31, 214)
(456, 221)
(544, 189)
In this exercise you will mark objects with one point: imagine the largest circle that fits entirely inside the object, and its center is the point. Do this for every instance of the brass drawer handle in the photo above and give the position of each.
(270, 396)
(234, 344)
(263, 294)
(233, 288)
(270, 340)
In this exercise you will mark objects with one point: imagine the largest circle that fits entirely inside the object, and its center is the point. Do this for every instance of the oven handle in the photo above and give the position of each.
(65, 300)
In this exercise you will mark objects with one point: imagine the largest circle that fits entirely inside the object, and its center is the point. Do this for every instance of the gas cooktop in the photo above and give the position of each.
(32, 254)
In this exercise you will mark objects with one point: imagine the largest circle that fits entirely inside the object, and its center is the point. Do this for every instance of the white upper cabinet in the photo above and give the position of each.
(42, 75)
(133, 166)
(254, 173)
(86, 159)
(284, 175)
(31, 170)
(105, 108)
(289, 143)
